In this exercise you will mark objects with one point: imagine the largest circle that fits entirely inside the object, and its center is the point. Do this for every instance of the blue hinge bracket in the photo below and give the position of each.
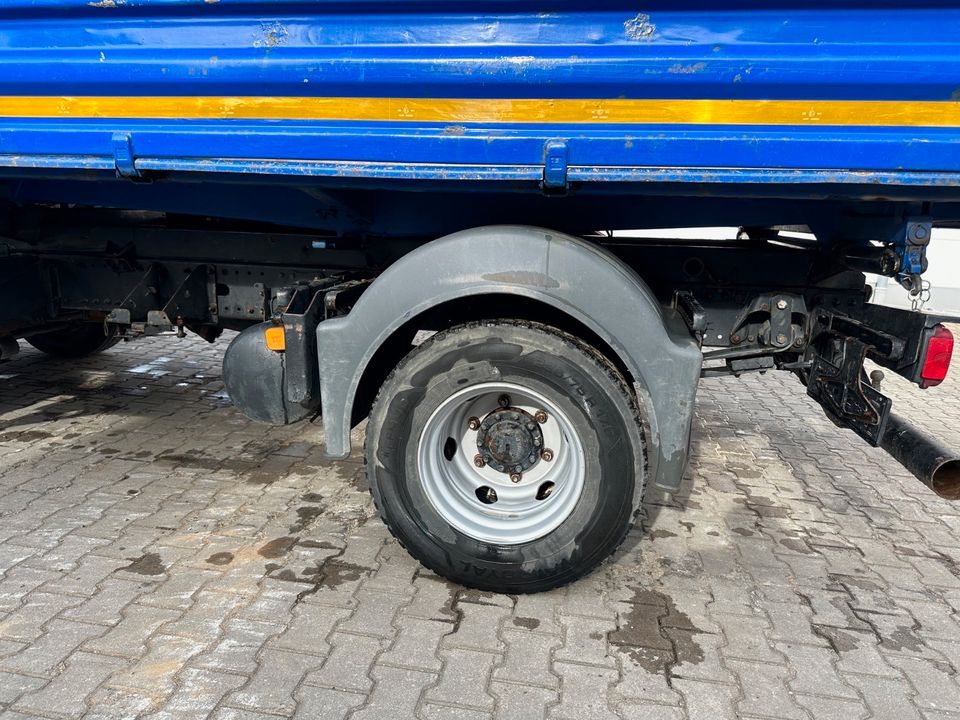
(911, 247)
(555, 167)
(123, 158)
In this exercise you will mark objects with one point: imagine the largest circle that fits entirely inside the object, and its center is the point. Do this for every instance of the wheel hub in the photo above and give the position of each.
(510, 440)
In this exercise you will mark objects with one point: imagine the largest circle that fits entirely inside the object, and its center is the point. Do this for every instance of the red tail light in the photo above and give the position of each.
(937, 358)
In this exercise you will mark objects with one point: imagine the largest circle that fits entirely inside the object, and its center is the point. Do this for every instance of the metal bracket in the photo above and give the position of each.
(911, 247)
(692, 313)
(769, 321)
(845, 397)
(555, 167)
(123, 158)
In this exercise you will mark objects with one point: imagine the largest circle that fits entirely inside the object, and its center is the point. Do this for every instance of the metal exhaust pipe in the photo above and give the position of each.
(937, 466)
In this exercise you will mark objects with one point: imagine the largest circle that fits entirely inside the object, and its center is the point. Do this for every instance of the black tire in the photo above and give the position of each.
(76, 341)
(599, 404)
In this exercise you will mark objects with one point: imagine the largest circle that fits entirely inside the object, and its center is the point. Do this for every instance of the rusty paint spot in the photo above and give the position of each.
(526, 622)
(639, 27)
(271, 35)
(277, 547)
(679, 69)
(146, 564)
(220, 558)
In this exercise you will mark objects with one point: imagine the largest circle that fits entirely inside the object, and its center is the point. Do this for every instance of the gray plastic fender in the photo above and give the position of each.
(579, 278)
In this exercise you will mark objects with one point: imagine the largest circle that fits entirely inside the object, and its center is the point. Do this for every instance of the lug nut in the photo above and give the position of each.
(540, 417)
(516, 477)
(478, 461)
(546, 455)
(473, 423)
(503, 400)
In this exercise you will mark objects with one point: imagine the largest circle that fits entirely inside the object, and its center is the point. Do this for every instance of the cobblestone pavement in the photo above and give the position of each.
(163, 557)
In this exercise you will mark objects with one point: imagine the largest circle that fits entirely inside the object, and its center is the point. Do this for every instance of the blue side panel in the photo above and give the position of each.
(905, 53)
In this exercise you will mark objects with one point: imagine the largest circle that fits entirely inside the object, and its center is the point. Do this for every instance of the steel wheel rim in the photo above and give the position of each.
(453, 483)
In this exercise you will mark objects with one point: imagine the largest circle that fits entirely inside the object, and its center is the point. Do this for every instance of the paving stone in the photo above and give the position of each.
(935, 682)
(527, 658)
(375, 613)
(765, 692)
(585, 641)
(522, 702)
(886, 698)
(44, 656)
(349, 660)
(106, 606)
(308, 631)
(13, 685)
(272, 687)
(464, 679)
(197, 695)
(478, 627)
(822, 708)
(326, 703)
(128, 637)
(584, 693)
(154, 673)
(237, 649)
(205, 617)
(746, 638)
(813, 671)
(28, 621)
(113, 704)
(857, 652)
(433, 598)
(66, 693)
(395, 695)
(416, 644)
(432, 711)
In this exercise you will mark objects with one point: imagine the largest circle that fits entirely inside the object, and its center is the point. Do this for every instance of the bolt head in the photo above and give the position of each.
(781, 304)
(516, 477)
(735, 339)
(540, 417)
(473, 423)
(478, 461)
(503, 400)
(546, 455)
(781, 339)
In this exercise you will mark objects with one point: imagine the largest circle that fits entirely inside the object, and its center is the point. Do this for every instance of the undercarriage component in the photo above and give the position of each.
(76, 340)
(255, 379)
(847, 398)
(935, 465)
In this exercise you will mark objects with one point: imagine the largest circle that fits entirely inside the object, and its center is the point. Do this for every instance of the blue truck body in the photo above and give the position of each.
(852, 96)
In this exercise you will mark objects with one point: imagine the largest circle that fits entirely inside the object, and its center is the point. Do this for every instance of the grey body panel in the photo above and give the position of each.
(572, 275)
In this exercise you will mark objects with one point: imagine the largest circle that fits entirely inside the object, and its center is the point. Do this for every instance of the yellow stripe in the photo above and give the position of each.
(473, 110)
